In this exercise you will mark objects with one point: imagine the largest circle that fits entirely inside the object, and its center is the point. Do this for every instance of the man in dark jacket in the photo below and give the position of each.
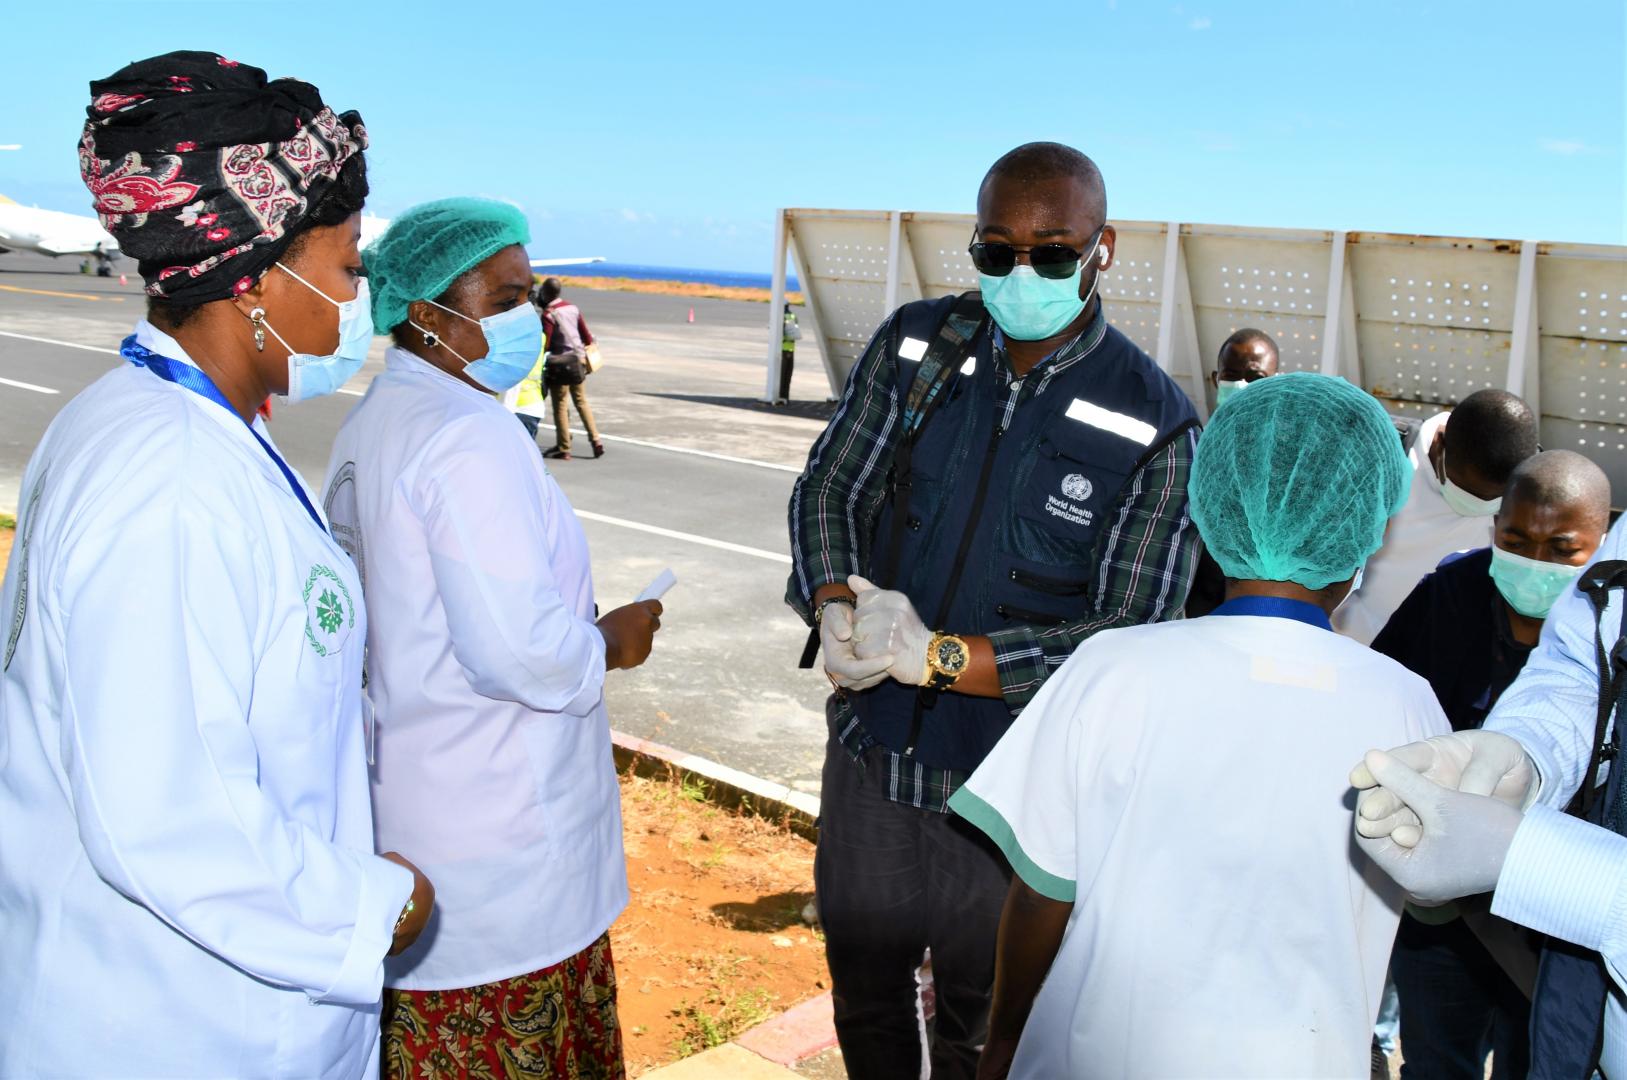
(1013, 470)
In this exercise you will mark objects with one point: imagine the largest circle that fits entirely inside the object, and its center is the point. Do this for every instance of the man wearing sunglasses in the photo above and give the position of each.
(1012, 471)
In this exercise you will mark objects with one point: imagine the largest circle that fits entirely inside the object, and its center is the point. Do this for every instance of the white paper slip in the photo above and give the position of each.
(656, 589)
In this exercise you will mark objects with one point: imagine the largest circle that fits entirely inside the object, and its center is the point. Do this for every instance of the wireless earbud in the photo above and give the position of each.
(1102, 255)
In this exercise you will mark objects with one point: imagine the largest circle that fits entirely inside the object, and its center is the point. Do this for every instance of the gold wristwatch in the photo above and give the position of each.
(947, 658)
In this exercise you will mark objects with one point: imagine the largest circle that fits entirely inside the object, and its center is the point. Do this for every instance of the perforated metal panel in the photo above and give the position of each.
(1133, 288)
(1419, 321)
(938, 243)
(1270, 280)
(1434, 317)
(1582, 321)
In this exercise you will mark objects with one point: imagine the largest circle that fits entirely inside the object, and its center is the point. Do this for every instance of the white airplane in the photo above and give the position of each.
(53, 233)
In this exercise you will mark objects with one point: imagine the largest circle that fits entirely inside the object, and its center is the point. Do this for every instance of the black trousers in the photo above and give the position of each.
(894, 882)
(1456, 1004)
(787, 362)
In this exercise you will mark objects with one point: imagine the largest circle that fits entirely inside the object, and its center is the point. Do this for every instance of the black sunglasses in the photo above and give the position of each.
(1048, 260)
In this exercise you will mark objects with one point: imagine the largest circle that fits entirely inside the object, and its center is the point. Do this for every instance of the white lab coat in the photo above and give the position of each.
(1421, 534)
(187, 884)
(486, 672)
(1185, 785)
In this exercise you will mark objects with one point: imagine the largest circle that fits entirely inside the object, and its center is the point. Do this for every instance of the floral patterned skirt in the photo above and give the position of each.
(558, 1023)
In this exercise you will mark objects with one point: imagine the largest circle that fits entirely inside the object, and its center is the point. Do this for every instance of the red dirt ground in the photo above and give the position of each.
(713, 940)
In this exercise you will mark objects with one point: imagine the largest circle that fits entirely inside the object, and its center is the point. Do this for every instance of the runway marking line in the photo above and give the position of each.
(608, 438)
(28, 386)
(673, 534)
(67, 295)
(54, 341)
(638, 526)
(685, 450)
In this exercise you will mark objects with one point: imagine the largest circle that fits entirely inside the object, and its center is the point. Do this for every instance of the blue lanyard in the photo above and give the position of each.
(198, 381)
(1276, 607)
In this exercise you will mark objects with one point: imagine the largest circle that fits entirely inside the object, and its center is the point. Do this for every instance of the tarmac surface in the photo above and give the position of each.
(696, 477)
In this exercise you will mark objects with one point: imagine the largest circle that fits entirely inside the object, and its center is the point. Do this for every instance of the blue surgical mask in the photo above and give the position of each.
(1530, 586)
(513, 343)
(1028, 307)
(311, 376)
(1225, 389)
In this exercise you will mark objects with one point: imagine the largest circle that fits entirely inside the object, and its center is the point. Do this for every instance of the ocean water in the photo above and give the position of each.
(670, 273)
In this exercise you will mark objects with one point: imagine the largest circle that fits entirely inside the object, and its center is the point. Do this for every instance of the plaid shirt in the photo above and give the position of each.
(1146, 554)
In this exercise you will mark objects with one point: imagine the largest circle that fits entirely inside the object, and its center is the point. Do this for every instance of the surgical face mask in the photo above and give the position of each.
(1530, 587)
(1462, 503)
(513, 343)
(312, 376)
(1028, 307)
(1225, 389)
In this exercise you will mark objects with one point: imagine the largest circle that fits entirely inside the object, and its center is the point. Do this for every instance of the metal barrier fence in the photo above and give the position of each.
(1418, 321)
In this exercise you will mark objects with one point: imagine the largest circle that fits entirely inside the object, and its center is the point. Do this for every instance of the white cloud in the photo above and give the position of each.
(1202, 22)
(630, 215)
(1564, 146)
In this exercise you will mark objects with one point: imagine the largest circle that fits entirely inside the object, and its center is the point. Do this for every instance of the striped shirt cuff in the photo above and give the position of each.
(1566, 878)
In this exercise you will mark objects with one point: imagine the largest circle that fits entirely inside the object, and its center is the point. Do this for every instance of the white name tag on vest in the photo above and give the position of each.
(1128, 427)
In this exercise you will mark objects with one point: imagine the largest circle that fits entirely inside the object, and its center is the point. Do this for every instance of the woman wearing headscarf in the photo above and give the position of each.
(187, 878)
(485, 666)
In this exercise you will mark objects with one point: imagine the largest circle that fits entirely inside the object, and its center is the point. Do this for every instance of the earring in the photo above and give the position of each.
(430, 339)
(258, 318)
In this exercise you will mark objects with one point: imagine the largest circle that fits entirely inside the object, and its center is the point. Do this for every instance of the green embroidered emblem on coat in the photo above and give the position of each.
(330, 613)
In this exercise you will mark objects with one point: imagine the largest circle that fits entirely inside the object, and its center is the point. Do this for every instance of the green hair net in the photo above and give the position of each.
(1295, 480)
(424, 250)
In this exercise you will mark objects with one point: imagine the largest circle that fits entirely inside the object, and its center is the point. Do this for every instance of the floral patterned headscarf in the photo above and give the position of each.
(203, 170)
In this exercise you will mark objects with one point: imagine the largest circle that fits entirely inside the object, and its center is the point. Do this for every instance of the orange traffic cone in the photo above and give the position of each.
(691, 314)
(123, 280)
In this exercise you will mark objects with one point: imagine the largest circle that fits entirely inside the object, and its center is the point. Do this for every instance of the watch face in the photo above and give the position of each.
(951, 656)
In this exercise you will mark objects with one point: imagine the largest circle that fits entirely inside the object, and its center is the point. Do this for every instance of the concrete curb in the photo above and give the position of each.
(796, 1034)
(797, 810)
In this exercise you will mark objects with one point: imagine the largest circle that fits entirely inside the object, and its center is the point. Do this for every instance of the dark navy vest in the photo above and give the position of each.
(1054, 475)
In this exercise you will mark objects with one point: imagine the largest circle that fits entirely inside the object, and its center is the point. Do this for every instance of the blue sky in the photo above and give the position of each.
(668, 133)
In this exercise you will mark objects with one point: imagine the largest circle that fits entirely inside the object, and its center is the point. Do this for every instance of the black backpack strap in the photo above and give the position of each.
(1596, 584)
(940, 363)
(959, 325)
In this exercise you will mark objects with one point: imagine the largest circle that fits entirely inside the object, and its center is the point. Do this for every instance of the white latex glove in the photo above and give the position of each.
(1459, 845)
(843, 666)
(885, 624)
(1474, 762)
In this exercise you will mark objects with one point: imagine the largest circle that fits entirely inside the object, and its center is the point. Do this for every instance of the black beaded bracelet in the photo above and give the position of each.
(819, 612)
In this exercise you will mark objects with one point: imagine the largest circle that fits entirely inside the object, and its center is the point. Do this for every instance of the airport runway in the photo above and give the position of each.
(695, 478)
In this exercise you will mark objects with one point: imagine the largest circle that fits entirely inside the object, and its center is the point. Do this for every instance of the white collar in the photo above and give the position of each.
(150, 337)
(398, 359)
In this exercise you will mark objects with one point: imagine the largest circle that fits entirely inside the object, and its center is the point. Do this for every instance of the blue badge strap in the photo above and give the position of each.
(199, 382)
(1276, 607)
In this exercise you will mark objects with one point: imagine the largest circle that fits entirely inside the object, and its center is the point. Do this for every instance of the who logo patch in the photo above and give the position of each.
(1076, 486)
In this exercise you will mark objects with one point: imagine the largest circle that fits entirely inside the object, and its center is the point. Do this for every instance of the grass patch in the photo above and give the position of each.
(718, 1019)
(7, 521)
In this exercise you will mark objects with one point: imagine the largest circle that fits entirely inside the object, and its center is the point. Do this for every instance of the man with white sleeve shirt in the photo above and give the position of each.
(1461, 461)
(1480, 810)
(1103, 793)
